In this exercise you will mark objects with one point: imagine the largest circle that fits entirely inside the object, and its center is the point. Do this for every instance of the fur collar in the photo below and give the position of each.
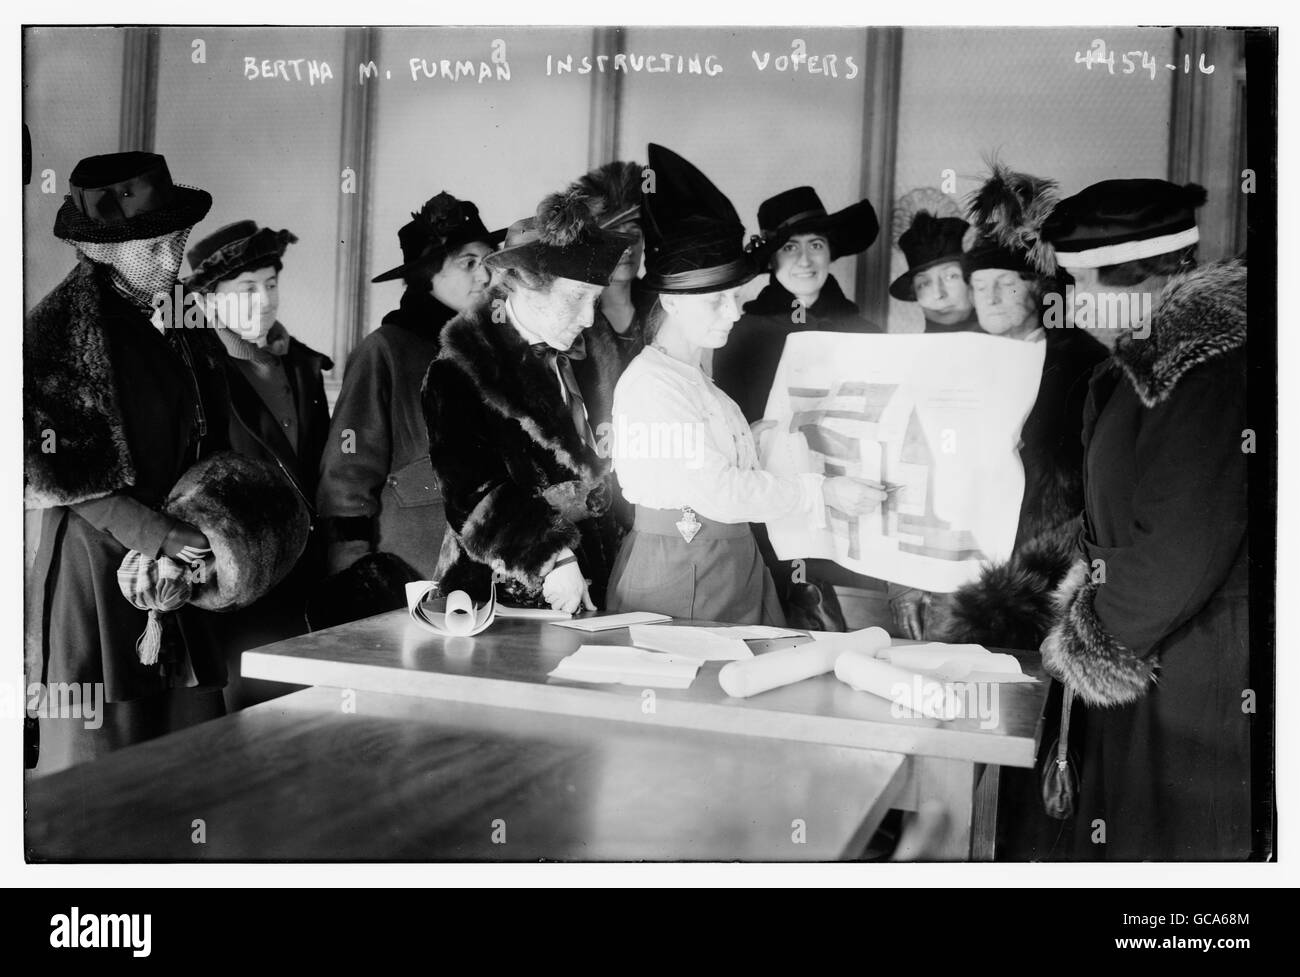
(516, 384)
(1199, 316)
(75, 448)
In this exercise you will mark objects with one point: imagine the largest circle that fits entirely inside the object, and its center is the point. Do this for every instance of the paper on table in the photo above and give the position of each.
(789, 665)
(927, 695)
(532, 613)
(958, 663)
(453, 615)
(626, 666)
(609, 622)
(700, 644)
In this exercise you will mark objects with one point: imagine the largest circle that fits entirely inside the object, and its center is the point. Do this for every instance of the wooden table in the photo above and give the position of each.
(954, 763)
(332, 776)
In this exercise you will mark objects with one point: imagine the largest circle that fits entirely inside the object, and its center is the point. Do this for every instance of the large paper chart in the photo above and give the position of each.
(937, 416)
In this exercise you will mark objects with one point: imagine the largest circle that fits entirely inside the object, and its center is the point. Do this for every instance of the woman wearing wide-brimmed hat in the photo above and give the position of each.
(125, 425)
(378, 501)
(798, 242)
(683, 451)
(278, 414)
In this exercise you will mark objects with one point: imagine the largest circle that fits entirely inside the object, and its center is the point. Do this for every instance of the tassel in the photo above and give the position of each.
(149, 644)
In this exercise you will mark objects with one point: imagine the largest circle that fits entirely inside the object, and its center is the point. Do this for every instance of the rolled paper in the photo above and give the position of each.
(460, 613)
(909, 690)
(775, 669)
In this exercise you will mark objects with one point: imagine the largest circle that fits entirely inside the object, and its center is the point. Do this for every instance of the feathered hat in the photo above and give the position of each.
(612, 192)
(563, 239)
(441, 225)
(1007, 215)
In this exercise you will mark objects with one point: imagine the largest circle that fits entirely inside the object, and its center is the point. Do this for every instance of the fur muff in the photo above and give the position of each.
(1011, 604)
(1200, 314)
(372, 585)
(1085, 656)
(74, 446)
(254, 519)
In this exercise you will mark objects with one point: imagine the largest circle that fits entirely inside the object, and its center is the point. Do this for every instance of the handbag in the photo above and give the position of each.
(1060, 774)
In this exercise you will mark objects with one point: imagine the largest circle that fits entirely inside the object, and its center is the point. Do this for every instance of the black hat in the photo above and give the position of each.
(443, 224)
(1123, 220)
(989, 252)
(800, 211)
(928, 242)
(126, 197)
(563, 240)
(232, 249)
(694, 237)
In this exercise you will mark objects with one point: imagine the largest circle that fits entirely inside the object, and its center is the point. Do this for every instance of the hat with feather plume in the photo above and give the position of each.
(564, 240)
(1008, 213)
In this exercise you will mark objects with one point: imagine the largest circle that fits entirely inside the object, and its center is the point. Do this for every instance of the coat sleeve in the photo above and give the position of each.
(701, 474)
(358, 451)
(1189, 508)
(129, 521)
(498, 514)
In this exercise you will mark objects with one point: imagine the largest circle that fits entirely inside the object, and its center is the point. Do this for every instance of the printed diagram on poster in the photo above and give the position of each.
(936, 419)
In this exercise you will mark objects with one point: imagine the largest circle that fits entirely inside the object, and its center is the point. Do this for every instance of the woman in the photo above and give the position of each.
(934, 279)
(378, 497)
(509, 436)
(799, 240)
(683, 451)
(1154, 633)
(278, 414)
(118, 406)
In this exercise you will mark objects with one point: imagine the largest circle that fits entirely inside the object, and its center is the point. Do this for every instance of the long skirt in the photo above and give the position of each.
(718, 576)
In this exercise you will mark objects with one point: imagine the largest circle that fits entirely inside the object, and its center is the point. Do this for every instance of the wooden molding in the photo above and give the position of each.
(606, 99)
(884, 64)
(139, 116)
(352, 251)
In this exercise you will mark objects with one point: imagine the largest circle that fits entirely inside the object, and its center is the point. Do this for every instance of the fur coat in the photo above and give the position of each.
(1152, 632)
(518, 480)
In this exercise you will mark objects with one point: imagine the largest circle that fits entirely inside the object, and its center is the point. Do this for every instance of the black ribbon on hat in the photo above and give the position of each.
(118, 202)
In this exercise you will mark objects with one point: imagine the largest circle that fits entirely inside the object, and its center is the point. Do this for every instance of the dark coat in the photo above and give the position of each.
(1153, 632)
(377, 491)
(745, 368)
(114, 414)
(520, 482)
(1010, 605)
(257, 433)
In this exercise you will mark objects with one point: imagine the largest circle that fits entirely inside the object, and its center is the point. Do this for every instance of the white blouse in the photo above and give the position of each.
(678, 440)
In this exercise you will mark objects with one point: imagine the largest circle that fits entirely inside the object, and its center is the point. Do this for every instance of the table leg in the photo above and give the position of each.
(984, 827)
(942, 795)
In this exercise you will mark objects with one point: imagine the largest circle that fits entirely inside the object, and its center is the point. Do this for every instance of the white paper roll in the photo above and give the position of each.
(459, 618)
(908, 689)
(789, 665)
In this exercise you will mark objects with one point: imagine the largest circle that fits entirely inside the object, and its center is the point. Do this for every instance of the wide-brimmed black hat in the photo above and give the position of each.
(443, 224)
(126, 197)
(800, 211)
(233, 249)
(563, 240)
(694, 239)
(1115, 221)
(928, 242)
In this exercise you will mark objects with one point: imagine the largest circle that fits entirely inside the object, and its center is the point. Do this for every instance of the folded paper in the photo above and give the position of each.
(610, 664)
